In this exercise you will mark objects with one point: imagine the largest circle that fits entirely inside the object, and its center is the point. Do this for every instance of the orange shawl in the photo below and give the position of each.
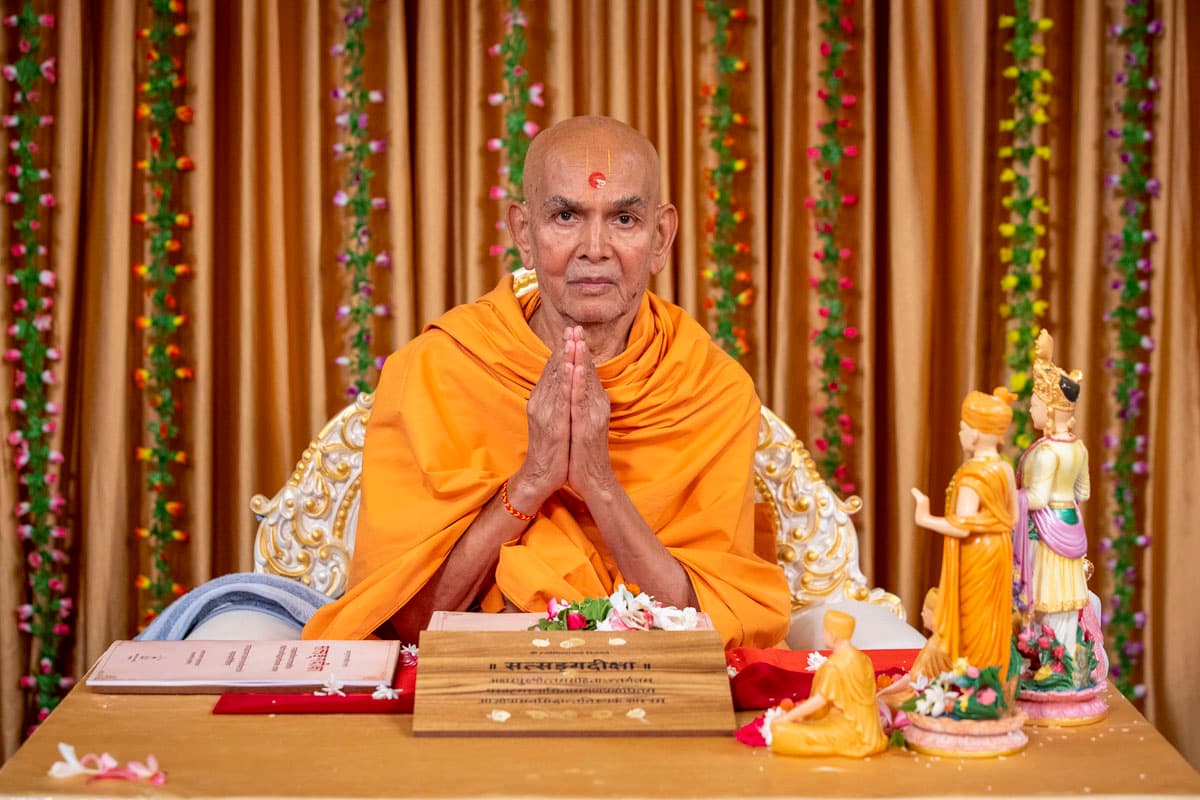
(449, 426)
(974, 620)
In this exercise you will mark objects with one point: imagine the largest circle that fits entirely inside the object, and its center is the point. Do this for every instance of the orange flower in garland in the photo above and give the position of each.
(45, 614)
(833, 335)
(726, 248)
(161, 376)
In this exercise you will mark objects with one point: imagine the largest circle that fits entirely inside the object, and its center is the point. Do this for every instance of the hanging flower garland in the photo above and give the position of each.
(1130, 317)
(730, 284)
(516, 95)
(40, 505)
(833, 331)
(163, 373)
(1023, 255)
(358, 254)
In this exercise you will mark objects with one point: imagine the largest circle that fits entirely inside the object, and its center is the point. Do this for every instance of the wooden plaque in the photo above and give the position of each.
(583, 683)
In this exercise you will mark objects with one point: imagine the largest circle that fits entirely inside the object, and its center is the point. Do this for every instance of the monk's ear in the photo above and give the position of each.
(519, 229)
(666, 223)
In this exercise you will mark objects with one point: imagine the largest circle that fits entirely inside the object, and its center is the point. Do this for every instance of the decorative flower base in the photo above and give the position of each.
(1063, 709)
(966, 738)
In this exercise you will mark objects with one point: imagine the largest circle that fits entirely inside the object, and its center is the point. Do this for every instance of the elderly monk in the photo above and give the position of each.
(840, 717)
(557, 444)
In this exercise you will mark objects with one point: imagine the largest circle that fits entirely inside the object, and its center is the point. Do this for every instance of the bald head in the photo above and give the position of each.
(587, 146)
(594, 228)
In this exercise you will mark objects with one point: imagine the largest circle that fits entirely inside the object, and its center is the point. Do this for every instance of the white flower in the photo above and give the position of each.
(670, 618)
(769, 718)
(815, 660)
(732, 670)
(632, 611)
(408, 654)
(330, 688)
(932, 702)
(69, 765)
(385, 692)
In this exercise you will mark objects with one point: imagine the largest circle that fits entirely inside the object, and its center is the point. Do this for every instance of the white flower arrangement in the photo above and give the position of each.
(623, 610)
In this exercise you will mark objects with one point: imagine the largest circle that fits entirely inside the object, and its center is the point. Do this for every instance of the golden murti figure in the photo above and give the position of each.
(974, 613)
(933, 659)
(839, 718)
(1053, 473)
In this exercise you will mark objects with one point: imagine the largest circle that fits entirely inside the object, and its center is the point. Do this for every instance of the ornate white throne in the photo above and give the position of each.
(306, 530)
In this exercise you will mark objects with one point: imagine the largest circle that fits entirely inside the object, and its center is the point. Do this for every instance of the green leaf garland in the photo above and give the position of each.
(358, 253)
(40, 505)
(730, 285)
(1023, 255)
(1130, 318)
(163, 373)
(834, 334)
(515, 97)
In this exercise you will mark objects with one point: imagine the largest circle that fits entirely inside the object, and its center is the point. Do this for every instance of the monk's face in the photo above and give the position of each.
(592, 225)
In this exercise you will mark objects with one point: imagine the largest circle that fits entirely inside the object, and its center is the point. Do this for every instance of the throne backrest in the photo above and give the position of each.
(306, 530)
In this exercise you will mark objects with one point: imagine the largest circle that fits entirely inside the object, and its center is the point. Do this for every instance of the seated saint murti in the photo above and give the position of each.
(560, 443)
(839, 717)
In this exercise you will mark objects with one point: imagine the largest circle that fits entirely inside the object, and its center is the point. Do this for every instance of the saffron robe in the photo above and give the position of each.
(849, 725)
(449, 427)
(974, 620)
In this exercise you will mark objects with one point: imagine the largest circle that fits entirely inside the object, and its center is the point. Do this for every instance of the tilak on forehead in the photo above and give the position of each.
(595, 179)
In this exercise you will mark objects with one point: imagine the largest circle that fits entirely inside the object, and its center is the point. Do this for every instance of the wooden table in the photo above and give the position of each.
(367, 755)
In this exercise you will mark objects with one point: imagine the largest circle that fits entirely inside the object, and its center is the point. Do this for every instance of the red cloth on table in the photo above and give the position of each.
(309, 703)
(766, 676)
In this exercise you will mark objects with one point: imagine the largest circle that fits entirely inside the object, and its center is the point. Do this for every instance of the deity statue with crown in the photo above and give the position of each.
(1060, 643)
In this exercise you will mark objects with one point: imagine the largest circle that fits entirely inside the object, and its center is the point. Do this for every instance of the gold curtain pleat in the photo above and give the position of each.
(262, 304)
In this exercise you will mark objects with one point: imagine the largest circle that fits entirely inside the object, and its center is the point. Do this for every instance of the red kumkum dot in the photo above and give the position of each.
(597, 180)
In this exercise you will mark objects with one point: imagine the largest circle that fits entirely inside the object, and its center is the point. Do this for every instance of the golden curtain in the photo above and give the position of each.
(264, 336)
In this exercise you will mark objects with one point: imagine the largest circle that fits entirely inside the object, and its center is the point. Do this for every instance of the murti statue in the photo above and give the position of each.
(840, 717)
(974, 611)
(1050, 542)
(933, 659)
(968, 711)
(930, 662)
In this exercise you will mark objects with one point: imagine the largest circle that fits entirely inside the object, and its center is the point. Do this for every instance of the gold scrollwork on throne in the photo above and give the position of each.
(306, 531)
(815, 539)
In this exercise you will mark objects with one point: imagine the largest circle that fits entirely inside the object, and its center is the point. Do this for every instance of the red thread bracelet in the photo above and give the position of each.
(508, 506)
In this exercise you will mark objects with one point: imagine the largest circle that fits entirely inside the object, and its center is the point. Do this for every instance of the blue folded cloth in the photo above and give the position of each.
(284, 598)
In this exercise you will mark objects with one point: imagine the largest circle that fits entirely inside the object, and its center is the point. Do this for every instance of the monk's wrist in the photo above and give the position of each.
(601, 491)
(524, 495)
